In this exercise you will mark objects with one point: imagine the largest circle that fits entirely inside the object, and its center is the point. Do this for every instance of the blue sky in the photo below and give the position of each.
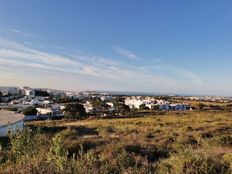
(171, 46)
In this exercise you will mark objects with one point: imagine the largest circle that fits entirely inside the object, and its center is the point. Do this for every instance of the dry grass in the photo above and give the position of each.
(150, 143)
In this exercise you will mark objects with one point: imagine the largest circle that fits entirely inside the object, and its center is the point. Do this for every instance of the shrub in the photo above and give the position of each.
(188, 129)
(226, 140)
(124, 160)
(222, 140)
(22, 143)
(57, 155)
(192, 163)
(30, 111)
(75, 111)
(201, 164)
(228, 158)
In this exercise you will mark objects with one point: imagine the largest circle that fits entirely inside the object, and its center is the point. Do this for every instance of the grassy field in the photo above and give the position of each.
(190, 142)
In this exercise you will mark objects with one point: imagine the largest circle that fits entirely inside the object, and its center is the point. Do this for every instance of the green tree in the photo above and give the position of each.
(143, 107)
(99, 106)
(120, 107)
(57, 155)
(74, 111)
(30, 111)
(201, 106)
(124, 109)
(22, 143)
(118, 102)
(155, 107)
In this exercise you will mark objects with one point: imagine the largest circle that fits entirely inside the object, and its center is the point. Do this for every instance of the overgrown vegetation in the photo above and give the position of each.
(30, 111)
(172, 143)
(74, 111)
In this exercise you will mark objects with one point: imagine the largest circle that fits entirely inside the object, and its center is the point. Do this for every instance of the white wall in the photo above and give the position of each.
(18, 126)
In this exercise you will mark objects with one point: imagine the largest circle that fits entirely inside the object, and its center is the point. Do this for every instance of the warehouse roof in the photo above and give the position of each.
(8, 117)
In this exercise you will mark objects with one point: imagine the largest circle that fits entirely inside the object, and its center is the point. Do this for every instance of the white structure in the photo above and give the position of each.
(54, 111)
(29, 92)
(88, 107)
(111, 104)
(107, 97)
(10, 90)
(135, 103)
(176, 107)
(10, 122)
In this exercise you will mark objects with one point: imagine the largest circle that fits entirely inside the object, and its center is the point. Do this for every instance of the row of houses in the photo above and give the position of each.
(52, 112)
(151, 103)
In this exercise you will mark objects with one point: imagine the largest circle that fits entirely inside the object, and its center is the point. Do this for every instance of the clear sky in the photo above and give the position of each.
(171, 46)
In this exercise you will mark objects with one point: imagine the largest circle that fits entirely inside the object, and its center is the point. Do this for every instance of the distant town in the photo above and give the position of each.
(42, 104)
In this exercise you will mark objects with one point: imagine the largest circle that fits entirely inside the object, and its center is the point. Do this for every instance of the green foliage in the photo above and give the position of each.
(143, 107)
(193, 163)
(64, 99)
(201, 106)
(30, 111)
(226, 140)
(152, 144)
(41, 93)
(155, 107)
(57, 155)
(221, 140)
(124, 109)
(99, 107)
(124, 160)
(99, 104)
(75, 111)
(85, 161)
(228, 159)
(13, 109)
(22, 143)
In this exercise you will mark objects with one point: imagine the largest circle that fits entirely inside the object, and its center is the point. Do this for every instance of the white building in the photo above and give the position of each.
(106, 97)
(10, 90)
(135, 103)
(54, 111)
(10, 122)
(111, 104)
(88, 107)
(29, 92)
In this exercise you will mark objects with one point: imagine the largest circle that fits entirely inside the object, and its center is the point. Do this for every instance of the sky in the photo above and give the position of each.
(159, 46)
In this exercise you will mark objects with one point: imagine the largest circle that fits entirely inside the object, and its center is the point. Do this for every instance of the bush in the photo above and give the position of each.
(192, 163)
(226, 140)
(75, 111)
(22, 143)
(30, 111)
(222, 141)
(143, 107)
(57, 155)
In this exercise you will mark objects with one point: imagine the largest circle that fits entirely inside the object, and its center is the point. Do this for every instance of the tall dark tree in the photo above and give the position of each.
(123, 109)
(30, 111)
(155, 107)
(143, 107)
(99, 105)
(41, 93)
(120, 107)
(74, 111)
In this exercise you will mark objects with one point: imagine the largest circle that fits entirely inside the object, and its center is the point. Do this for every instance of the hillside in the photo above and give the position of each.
(174, 142)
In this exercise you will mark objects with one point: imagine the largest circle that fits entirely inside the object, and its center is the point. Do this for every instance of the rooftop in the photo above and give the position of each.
(8, 117)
